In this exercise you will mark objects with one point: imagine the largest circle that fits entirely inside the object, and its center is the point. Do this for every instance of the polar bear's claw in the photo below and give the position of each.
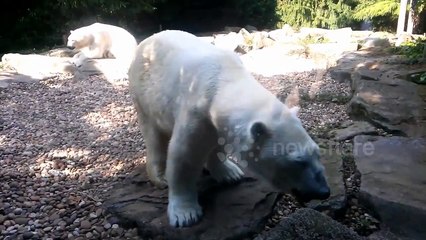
(225, 171)
(184, 215)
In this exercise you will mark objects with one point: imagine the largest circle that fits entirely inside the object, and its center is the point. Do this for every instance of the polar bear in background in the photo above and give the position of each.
(101, 41)
(197, 106)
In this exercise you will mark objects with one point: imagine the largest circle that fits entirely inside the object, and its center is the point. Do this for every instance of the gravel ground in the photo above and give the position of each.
(63, 144)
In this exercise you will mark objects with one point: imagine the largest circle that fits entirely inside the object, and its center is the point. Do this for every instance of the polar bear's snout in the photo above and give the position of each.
(311, 182)
(314, 186)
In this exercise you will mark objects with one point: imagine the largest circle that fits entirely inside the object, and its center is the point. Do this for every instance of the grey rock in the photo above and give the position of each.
(284, 34)
(60, 52)
(341, 35)
(376, 42)
(337, 202)
(250, 28)
(228, 41)
(21, 220)
(383, 234)
(306, 31)
(231, 29)
(230, 211)
(393, 181)
(364, 73)
(330, 51)
(269, 61)
(308, 224)
(356, 128)
(46, 66)
(85, 224)
(27, 235)
(390, 102)
(341, 75)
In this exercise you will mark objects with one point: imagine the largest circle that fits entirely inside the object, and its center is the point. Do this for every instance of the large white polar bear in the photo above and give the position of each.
(103, 40)
(197, 106)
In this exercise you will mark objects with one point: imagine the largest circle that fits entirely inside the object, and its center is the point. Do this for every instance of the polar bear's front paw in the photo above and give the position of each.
(183, 214)
(225, 171)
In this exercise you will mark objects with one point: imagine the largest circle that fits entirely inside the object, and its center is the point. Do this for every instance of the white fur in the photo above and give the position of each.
(195, 102)
(102, 40)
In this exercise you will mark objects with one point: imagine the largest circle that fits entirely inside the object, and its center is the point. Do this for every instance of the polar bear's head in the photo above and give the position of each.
(283, 153)
(79, 39)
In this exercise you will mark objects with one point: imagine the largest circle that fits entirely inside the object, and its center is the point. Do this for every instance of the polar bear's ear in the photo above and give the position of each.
(71, 31)
(258, 130)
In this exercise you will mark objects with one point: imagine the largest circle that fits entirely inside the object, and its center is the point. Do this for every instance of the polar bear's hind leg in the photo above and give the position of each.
(156, 147)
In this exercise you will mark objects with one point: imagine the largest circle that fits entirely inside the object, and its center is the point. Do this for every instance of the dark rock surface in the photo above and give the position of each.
(230, 212)
(308, 224)
(356, 128)
(390, 102)
(337, 202)
(393, 181)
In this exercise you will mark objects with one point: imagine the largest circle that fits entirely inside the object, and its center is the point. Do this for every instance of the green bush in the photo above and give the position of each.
(315, 13)
(413, 50)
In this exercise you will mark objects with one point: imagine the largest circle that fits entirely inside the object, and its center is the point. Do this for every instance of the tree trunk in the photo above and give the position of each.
(401, 17)
(412, 17)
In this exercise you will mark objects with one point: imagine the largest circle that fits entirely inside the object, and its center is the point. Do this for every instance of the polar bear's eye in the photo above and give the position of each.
(258, 130)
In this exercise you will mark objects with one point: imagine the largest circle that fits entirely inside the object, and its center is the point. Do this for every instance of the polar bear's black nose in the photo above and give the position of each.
(322, 194)
(314, 188)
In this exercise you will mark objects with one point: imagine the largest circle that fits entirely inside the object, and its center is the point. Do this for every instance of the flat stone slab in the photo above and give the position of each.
(230, 211)
(390, 102)
(356, 128)
(308, 224)
(393, 181)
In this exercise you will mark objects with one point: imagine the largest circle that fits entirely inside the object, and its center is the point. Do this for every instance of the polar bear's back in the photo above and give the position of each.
(174, 68)
(174, 50)
(181, 40)
(121, 38)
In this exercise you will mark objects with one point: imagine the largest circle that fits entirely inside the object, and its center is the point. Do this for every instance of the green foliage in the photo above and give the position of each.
(315, 13)
(257, 12)
(368, 9)
(413, 50)
(45, 22)
(383, 13)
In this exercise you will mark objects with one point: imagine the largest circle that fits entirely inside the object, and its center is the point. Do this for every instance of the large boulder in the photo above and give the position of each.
(393, 181)
(228, 41)
(276, 60)
(341, 35)
(38, 66)
(284, 34)
(307, 224)
(230, 211)
(384, 98)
